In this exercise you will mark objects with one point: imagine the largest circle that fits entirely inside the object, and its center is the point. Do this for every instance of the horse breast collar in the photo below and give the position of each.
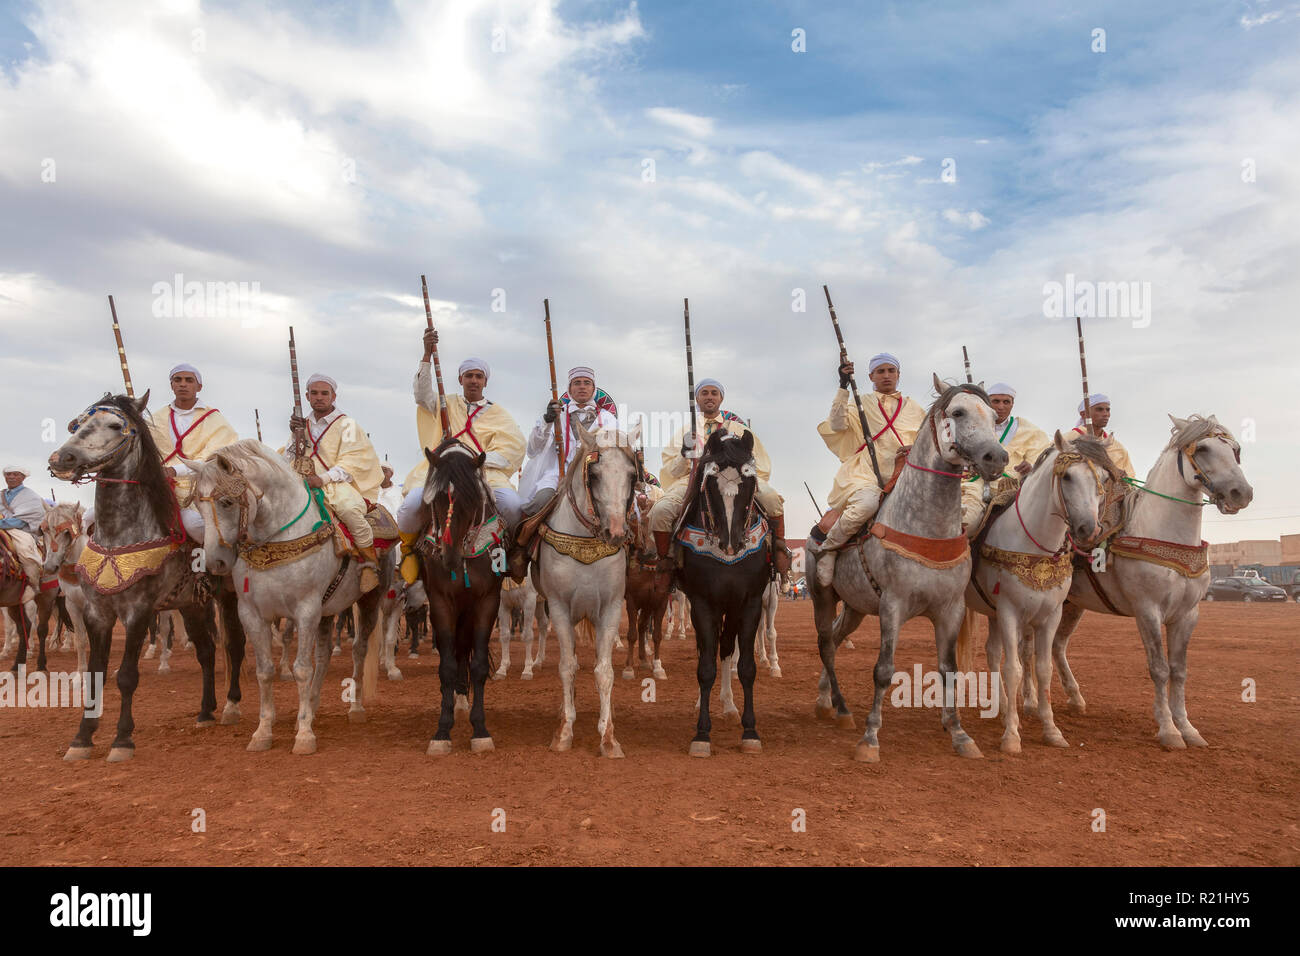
(936, 553)
(704, 542)
(587, 550)
(1189, 560)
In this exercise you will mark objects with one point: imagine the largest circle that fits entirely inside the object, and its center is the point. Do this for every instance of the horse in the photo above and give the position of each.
(65, 538)
(25, 615)
(264, 524)
(518, 602)
(1159, 581)
(462, 562)
(1023, 565)
(765, 641)
(138, 561)
(581, 568)
(410, 600)
(645, 605)
(679, 614)
(897, 582)
(725, 566)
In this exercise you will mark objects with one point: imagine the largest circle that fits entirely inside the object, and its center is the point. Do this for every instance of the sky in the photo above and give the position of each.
(941, 167)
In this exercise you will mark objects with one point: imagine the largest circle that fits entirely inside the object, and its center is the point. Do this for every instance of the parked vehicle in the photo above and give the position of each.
(1244, 589)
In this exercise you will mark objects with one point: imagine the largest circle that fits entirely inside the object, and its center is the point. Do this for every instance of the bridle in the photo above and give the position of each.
(1062, 464)
(747, 470)
(116, 455)
(72, 526)
(933, 417)
(233, 485)
(1188, 452)
(589, 516)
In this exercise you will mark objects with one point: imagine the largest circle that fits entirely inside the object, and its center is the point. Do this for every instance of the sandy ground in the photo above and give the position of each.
(370, 795)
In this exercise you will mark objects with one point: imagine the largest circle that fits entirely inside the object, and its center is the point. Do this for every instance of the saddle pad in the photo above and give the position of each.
(703, 543)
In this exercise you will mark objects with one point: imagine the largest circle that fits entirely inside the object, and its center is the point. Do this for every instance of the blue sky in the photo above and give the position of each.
(224, 155)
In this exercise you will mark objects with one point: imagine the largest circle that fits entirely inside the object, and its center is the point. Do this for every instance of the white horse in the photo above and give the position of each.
(250, 499)
(1022, 573)
(65, 537)
(679, 613)
(581, 565)
(765, 638)
(408, 597)
(519, 599)
(1156, 568)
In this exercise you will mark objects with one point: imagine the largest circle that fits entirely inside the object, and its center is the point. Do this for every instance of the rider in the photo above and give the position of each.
(541, 474)
(1023, 440)
(21, 511)
(479, 424)
(346, 467)
(894, 420)
(1100, 419)
(188, 429)
(677, 457)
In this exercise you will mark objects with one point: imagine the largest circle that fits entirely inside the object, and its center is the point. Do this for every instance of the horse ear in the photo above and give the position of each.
(223, 462)
(1059, 441)
(981, 383)
(1179, 423)
(939, 387)
(634, 436)
(432, 457)
(482, 457)
(142, 402)
(747, 442)
(585, 435)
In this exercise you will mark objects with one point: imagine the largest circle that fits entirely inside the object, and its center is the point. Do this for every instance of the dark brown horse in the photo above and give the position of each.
(645, 608)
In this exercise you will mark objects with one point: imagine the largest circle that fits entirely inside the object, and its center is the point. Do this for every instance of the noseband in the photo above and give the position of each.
(1187, 451)
(235, 486)
(115, 455)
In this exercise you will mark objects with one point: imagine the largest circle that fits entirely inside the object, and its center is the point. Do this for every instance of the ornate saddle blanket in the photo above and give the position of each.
(703, 543)
(1189, 560)
(586, 550)
(479, 539)
(382, 524)
(1042, 572)
(936, 553)
(113, 570)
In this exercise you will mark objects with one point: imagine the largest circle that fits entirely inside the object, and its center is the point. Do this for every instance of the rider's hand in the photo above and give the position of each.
(1024, 468)
(297, 423)
(552, 412)
(846, 370)
(314, 481)
(430, 341)
(688, 445)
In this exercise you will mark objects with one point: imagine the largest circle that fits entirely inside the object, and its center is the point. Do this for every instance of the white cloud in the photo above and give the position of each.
(700, 127)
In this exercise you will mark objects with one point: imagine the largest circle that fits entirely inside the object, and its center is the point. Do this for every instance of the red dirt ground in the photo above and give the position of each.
(370, 795)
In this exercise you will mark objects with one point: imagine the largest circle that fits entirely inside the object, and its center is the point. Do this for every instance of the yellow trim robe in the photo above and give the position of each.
(210, 435)
(495, 429)
(1025, 443)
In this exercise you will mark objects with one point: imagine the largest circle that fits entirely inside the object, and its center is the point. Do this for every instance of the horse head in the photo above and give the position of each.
(59, 529)
(1214, 457)
(1081, 471)
(103, 436)
(606, 469)
(229, 488)
(457, 495)
(961, 426)
(728, 482)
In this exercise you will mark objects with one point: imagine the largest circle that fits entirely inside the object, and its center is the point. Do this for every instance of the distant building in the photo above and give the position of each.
(1290, 549)
(1237, 553)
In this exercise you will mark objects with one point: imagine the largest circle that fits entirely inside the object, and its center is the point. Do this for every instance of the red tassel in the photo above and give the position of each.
(391, 594)
(997, 587)
(245, 585)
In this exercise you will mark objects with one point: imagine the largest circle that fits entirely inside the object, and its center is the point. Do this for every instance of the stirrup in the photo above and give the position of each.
(369, 578)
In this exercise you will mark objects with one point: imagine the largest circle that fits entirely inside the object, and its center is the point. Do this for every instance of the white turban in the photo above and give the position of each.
(17, 470)
(1001, 388)
(884, 358)
(474, 363)
(318, 377)
(1096, 398)
(706, 382)
(581, 371)
(185, 367)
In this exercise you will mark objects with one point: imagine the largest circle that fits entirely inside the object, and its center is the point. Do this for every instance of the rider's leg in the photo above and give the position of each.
(862, 504)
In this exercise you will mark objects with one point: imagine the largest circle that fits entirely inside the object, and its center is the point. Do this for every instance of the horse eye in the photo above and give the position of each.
(224, 502)
(116, 426)
(1066, 476)
(958, 413)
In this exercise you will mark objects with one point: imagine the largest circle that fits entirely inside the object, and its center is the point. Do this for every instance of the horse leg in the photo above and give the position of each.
(1028, 662)
(726, 696)
(232, 628)
(1003, 653)
(392, 626)
(993, 655)
(563, 738)
(128, 678)
(504, 625)
(99, 635)
(79, 639)
(24, 617)
(706, 671)
(442, 630)
(479, 629)
(320, 667)
(773, 662)
(288, 632)
(1180, 635)
(629, 672)
(830, 634)
(868, 748)
(947, 623)
(543, 621)
(1070, 615)
(526, 635)
(1043, 632)
(657, 623)
(309, 626)
(259, 632)
(197, 623)
(748, 669)
(164, 642)
(604, 673)
(1149, 626)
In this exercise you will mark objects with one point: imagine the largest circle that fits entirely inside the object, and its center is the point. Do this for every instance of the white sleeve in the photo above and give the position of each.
(181, 468)
(338, 474)
(541, 436)
(839, 416)
(425, 396)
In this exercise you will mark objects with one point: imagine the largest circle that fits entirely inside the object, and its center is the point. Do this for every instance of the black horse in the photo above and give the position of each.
(462, 570)
(726, 563)
(138, 531)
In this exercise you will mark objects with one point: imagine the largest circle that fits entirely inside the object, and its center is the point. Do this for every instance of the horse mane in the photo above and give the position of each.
(1090, 448)
(150, 475)
(250, 451)
(1197, 427)
(458, 468)
(951, 391)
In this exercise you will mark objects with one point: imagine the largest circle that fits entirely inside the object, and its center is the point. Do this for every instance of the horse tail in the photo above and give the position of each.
(370, 668)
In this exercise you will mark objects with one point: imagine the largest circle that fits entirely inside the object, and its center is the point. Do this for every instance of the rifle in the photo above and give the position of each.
(301, 463)
(555, 392)
(258, 418)
(965, 357)
(814, 501)
(437, 366)
(121, 351)
(1083, 368)
(690, 364)
(853, 385)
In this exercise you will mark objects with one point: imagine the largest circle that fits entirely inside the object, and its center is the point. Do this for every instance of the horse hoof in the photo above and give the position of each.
(259, 745)
(120, 754)
(499, 675)
(1055, 738)
(439, 748)
(413, 656)
(462, 703)
(1078, 707)
(286, 675)
(1173, 741)
(79, 753)
(824, 711)
(230, 715)
(304, 745)
(356, 716)
(334, 651)
(848, 645)
(148, 655)
(751, 746)
(612, 750)
(205, 722)
(1011, 745)
(731, 712)
(967, 748)
(845, 722)
(660, 674)
(1193, 739)
(628, 673)
(164, 669)
(526, 675)
(774, 671)
(867, 753)
(481, 745)
(394, 674)
(560, 744)
(700, 748)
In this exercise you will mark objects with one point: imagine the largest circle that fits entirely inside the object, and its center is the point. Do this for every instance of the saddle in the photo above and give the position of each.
(10, 566)
(526, 536)
(382, 524)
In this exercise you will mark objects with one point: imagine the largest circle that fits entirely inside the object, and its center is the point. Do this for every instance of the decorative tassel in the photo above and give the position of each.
(246, 584)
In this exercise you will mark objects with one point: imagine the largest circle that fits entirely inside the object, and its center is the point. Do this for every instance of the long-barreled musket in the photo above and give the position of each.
(965, 357)
(121, 350)
(690, 363)
(301, 463)
(814, 500)
(853, 385)
(1083, 369)
(555, 392)
(258, 418)
(437, 365)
